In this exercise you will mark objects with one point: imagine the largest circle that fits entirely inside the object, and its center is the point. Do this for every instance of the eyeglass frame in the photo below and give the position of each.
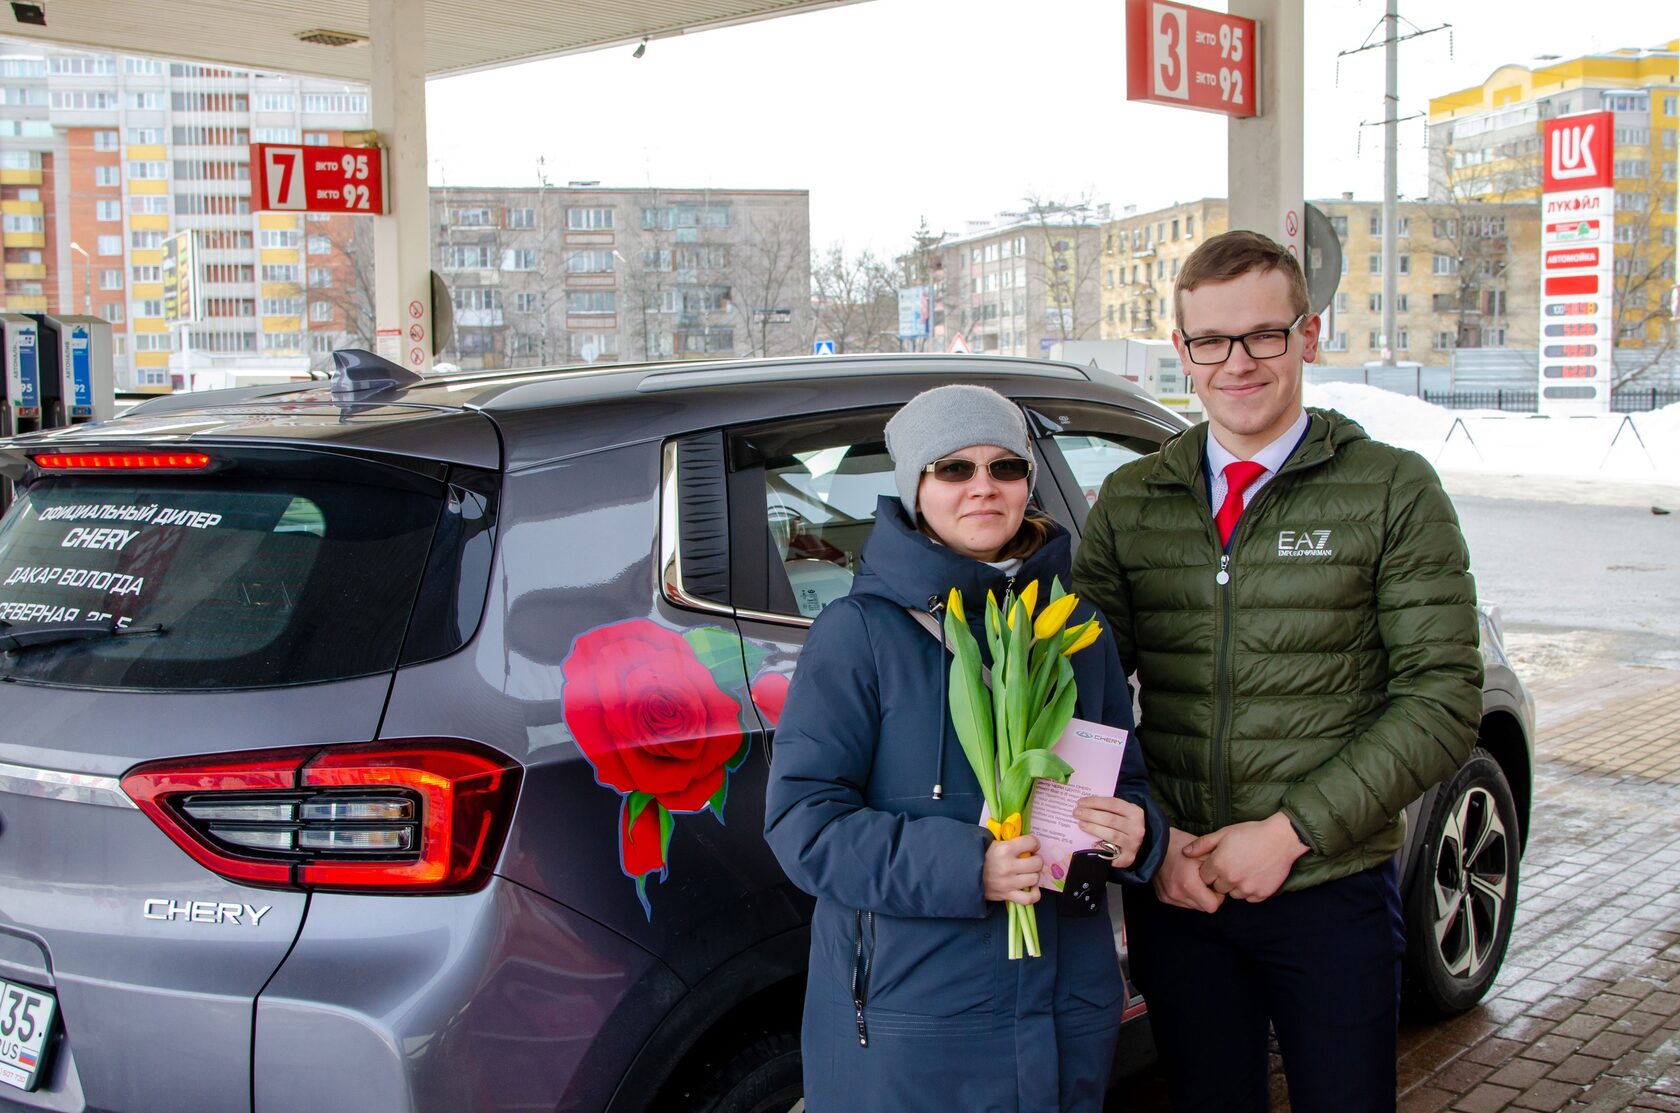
(928, 469)
(1233, 341)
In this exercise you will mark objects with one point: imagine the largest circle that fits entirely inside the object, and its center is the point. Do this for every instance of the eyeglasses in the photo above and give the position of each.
(1265, 343)
(1005, 469)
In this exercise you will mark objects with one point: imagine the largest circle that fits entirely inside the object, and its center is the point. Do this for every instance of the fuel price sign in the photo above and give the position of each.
(319, 179)
(1191, 58)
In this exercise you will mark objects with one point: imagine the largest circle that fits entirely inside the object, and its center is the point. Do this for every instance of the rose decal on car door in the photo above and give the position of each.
(655, 715)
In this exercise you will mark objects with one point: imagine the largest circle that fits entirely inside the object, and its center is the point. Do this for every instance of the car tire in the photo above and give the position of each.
(1463, 895)
(761, 1075)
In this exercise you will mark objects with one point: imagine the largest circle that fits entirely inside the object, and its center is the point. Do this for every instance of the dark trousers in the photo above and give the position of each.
(1322, 965)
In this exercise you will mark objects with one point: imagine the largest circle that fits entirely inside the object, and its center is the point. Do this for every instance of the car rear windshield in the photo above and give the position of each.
(226, 580)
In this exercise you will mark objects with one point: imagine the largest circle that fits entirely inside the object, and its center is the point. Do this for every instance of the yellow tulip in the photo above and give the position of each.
(1091, 632)
(1055, 616)
(953, 603)
(1029, 598)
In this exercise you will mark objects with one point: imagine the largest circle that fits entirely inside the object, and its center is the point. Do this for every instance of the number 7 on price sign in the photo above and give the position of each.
(282, 178)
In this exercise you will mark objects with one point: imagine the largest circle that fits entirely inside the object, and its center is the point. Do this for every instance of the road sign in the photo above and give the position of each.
(318, 179)
(1323, 261)
(823, 348)
(1191, 58)
(959, 346)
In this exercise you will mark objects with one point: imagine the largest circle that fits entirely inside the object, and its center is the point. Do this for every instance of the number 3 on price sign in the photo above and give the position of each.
(1169, 69)
(1190, 57)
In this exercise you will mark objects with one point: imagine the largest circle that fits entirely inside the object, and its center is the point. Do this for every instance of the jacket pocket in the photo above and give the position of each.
(935, 967)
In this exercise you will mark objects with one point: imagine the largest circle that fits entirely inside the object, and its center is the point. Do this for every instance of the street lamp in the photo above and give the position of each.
(87, 277)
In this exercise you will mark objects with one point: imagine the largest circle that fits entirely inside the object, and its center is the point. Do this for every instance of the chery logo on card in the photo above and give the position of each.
(1578, 151)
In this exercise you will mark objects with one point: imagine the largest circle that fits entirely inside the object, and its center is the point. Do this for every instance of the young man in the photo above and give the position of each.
(1296, 602)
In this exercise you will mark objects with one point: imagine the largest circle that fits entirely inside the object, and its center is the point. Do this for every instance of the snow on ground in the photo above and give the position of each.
(1486, 451)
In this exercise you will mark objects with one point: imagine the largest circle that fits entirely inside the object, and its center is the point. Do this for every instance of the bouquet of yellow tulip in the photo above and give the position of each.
(1007, 733)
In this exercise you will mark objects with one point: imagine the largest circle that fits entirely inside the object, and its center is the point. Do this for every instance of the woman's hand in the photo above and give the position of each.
(1011, 870)
(1113, 820)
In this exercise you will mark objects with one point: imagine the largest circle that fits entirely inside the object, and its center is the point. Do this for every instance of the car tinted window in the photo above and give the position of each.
(254, 582)
(1092, 457)
(820, 503)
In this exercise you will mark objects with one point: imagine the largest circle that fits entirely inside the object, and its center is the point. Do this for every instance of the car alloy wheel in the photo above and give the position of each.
(1471, 883)
(1462, 897)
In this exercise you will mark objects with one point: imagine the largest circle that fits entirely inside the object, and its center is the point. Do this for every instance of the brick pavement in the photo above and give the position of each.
(1585, 1014)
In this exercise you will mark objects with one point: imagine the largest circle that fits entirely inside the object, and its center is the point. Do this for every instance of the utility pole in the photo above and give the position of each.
(1391, 178)
(1392, 38)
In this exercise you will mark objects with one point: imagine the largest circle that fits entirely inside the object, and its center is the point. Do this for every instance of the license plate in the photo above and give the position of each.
(26, 1020)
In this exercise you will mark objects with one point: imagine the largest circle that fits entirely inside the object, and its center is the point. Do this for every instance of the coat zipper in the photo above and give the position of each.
(861, 962)
(1220, 750)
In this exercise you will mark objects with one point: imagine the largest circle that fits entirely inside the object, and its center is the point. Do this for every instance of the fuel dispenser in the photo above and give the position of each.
(20, 408)
(20, 346)
(48, 382)
(82, 381)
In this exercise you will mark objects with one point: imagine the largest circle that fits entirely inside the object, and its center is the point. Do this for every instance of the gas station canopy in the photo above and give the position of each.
(329, 38)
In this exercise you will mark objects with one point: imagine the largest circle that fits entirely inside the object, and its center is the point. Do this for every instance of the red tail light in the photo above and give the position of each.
(424, 815)
(122, 461)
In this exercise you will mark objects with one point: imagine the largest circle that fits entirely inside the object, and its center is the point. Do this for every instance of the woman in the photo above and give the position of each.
(912, 1002)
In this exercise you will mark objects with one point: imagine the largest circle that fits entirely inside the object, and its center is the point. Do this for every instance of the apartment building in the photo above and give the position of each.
(580, 273)
(1468, 276)
(1016, 285)
(1485, 144)
(105, 156)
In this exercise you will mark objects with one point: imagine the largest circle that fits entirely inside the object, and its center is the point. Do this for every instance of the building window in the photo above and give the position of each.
(276, 102)
(110, 245)
(112, 312)
(522, 218)
(280, 272)
(470, 218)
(468, 257)
(591, 301)
(519, 259)
(319, 245)
(111, 279)
(342, 104)
(1376, 303)
(145, 137)
(1626, 102)
(1337, 343)
(524, 344)
(477, 297)
(1445, 264)
(589, 262)
(143, 101)
(150, 307)
(282, 307)
(147, 274)
(1632, 168)
(581, 219)
(276, 135)
(279, 237)
(147, 171)
(1376, 264)
(320, 277)
(105, 140)
(83, 99)
(107, 210)
(1443, 341)
(148, 204)
(1405, 341)
(320, 311)
(1342, 302)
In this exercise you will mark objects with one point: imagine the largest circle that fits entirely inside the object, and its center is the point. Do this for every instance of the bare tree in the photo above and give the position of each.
(1645, 333)
(1466, 186)
(343, 280)
(772, 283)
(1066, 232)
(855, 301)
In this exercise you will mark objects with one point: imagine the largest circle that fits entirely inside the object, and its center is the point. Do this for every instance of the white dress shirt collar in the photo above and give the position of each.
(1271, 457)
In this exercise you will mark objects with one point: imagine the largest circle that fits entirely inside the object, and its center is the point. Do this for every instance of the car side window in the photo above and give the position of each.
(805, 492)
(1092, 439)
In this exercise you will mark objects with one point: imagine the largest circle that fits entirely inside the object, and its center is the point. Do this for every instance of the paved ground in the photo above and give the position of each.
(1585, 1014)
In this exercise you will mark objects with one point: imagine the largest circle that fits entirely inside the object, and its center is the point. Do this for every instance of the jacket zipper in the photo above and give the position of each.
(861, 961)
(1220, 750)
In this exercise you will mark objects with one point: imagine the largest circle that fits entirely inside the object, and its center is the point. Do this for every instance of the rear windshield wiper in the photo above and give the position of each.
(17, 637)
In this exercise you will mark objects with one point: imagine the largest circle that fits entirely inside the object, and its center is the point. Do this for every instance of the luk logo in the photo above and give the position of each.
(1572, 154)
(1304, 543)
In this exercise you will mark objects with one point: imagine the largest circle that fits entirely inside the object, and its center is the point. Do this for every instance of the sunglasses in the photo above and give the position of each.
(954, 469)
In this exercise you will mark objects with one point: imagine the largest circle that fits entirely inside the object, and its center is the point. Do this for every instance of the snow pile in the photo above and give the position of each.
(1637, 447)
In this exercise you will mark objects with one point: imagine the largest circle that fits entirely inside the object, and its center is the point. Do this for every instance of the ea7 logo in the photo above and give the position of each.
(1304, 543)
(1572, 155)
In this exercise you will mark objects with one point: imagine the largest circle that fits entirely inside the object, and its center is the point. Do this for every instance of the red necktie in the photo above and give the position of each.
(1239, 477)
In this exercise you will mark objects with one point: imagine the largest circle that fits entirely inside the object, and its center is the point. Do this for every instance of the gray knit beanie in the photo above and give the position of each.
(938, 422)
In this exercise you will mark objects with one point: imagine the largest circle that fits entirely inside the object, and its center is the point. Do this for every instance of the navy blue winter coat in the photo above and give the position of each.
(901, 924)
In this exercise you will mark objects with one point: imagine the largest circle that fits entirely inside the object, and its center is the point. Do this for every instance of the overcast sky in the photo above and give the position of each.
(892, 110)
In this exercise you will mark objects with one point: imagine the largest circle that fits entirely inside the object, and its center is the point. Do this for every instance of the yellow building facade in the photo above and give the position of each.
(1486, 145)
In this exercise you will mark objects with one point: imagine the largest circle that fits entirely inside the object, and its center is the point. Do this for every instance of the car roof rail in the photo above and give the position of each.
(359, 371)
(738, 373)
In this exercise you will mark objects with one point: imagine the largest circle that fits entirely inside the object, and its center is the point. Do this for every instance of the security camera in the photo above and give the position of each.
(29, 11)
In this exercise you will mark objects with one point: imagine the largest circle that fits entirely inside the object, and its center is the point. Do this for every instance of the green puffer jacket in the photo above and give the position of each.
(1336, 676)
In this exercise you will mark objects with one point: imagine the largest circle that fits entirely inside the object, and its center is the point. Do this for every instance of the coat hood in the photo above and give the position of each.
(904, 565)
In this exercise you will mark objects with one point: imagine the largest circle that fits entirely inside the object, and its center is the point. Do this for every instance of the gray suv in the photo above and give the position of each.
(388, 744)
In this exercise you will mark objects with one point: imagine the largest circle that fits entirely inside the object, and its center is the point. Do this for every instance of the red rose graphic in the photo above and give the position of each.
(769, 692)
(641, 845)
(648, 715)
